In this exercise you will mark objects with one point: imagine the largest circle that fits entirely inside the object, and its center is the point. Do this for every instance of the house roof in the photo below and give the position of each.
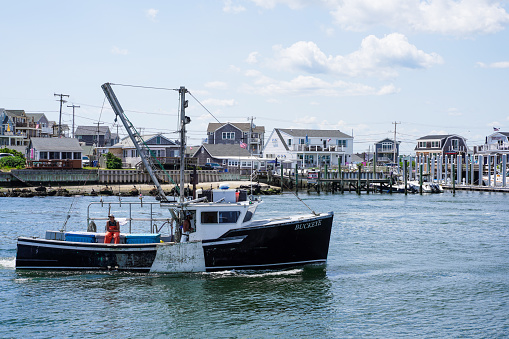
(503, 133)
(243, 126)
(15, 113)
(36, 116)
(91, 130)
(126, 142)
(435, 137)
(388, 139)
(226, 150)
(314, 133)
(56, 144)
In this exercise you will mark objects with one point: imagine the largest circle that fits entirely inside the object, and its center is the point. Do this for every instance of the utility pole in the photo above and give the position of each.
(73, 107)
(62, 101)
(395, 143)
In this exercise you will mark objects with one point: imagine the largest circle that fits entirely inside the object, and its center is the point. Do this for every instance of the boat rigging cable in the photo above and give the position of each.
(176, 89)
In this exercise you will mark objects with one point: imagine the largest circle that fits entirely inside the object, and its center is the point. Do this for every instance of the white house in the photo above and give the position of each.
(309, 148)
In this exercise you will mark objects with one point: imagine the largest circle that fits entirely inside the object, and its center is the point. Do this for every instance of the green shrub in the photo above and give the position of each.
(13, 152)
(113, 162)
(12, 162)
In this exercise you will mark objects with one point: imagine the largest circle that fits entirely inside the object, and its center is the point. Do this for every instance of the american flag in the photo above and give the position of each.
(243, 145)
(496, 129)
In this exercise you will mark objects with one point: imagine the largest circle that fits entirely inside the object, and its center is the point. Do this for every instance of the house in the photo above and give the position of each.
(441, 145)
(236, 133)
(309, 148)
(89, 135)
(54, 153)
(496, 143)
(64, 130)
(41, 124)
(232, 158)
(17, 129)
(166, 150)
(8, 134)
(384, 151)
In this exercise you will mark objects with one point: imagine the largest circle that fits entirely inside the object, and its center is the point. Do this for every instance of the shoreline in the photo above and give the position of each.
(125, 189)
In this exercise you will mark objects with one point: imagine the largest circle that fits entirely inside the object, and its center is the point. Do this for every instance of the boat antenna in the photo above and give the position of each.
(183, 122)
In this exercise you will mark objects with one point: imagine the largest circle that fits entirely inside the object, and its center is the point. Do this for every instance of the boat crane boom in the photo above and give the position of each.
(133, 134)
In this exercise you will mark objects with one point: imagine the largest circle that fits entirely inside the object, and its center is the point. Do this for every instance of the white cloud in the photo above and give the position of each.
(449, 17)
(216, 85)
(454, 112)
(219, 102)
(230, 8)
(252, 58)
(116, 50)
(494, 124)
(500, 64)
(309, 85)
(293, 4)
(151, 13)
(375, 57)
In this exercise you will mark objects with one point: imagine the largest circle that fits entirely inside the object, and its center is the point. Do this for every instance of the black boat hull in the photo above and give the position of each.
(64, 255)
(271, 246)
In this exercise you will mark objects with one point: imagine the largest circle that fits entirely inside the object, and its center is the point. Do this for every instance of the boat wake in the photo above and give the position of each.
(9, 263)
(254, 273)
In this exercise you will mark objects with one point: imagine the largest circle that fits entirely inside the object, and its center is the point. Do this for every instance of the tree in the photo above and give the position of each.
(113, 162)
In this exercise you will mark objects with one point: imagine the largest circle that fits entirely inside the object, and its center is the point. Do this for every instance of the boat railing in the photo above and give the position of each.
(130, 219)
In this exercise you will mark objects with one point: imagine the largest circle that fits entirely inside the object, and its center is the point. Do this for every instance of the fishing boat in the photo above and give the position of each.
(223, 234)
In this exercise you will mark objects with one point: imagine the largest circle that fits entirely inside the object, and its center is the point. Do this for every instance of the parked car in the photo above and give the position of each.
(6, 155)
(85, 161)
(212, 166)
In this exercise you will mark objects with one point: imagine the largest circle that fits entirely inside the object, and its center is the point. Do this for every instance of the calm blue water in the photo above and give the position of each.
(414, 266)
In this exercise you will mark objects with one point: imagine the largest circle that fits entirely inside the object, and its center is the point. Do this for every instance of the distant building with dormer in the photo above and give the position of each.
(384, 151)
(441, 145)
(236, 133)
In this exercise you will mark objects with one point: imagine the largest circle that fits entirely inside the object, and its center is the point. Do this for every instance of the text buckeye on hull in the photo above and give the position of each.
(221, 233)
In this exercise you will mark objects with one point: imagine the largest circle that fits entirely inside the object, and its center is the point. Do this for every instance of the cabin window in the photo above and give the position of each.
(209, 217)
(249, 214)
(226, 217)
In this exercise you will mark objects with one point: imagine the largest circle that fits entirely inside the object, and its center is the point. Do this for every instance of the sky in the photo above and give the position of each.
(361, 66)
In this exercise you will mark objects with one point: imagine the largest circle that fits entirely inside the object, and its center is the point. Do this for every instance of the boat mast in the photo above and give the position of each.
(183, 121)
(144, 154)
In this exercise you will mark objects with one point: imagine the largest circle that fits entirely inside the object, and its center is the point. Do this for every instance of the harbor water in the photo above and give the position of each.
(399, 266)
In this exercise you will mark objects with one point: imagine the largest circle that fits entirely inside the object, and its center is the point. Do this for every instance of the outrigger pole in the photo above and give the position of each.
(133, 134)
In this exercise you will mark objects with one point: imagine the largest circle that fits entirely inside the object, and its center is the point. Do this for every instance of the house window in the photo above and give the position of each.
(302, 141)
(435, 144)
(386, 146)
(233, 163)
(158, 140)
(289, 142)
(455, 144)
(422, 144)
(125, 154)
(43, 155)
(340, 142)
(77, 155)
(228, 135)
(54, 155)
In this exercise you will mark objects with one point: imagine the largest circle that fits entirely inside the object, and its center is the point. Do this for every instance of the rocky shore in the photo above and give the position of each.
(129, 190)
